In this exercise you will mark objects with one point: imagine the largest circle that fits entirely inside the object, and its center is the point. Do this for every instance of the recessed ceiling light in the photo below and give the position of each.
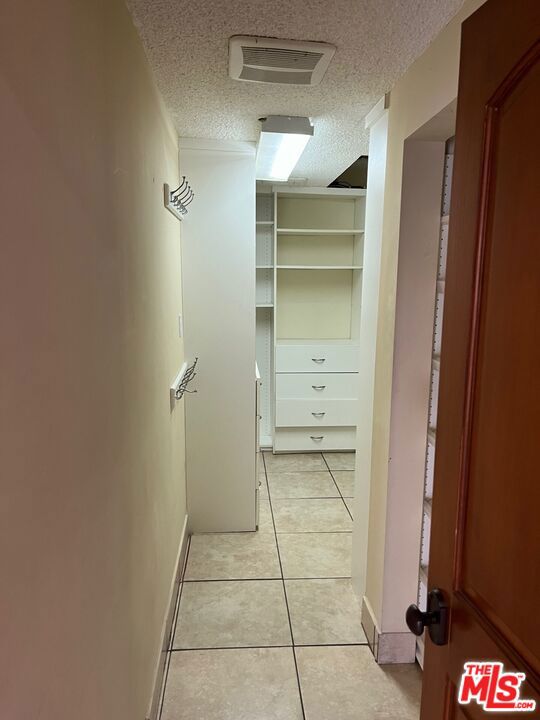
(281, 144)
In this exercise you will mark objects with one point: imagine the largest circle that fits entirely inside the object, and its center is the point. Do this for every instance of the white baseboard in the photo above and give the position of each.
(369, 623)
(396, 647)
(159, 674)
(387, 648)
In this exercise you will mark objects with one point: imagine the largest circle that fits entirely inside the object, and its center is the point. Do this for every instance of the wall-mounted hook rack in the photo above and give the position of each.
(179, 387)
(177, 201)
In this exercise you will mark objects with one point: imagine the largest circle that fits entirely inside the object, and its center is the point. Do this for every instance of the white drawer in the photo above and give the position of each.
(313, 358)
(315, 440)
(316, 385)
(316, 413)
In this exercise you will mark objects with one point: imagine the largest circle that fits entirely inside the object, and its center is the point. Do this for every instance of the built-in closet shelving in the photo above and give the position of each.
(265, 286)
(309, 287)
(434, 391)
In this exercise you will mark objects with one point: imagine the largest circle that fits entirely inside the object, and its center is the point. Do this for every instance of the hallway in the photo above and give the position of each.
(267, 623)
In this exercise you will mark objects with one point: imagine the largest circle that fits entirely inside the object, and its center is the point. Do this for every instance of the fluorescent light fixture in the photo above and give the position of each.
(281, 144)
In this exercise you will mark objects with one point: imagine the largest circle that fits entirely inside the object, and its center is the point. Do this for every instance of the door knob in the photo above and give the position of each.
(435, 618)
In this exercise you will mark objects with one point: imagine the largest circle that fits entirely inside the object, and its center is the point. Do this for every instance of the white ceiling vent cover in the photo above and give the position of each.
(288, 62)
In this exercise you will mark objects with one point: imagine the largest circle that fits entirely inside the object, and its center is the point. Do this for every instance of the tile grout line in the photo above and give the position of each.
(285, 594)
(317, 532)
(269, 647)
(311, 497)
(338, 488)
(277, 472)
(270, 579)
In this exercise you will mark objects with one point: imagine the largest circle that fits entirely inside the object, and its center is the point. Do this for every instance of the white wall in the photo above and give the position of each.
(218, 241)
(368, 341)
(92, 496)
(413, 347)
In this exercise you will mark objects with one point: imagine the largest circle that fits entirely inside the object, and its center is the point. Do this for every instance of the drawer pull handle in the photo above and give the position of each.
(318, 414)
(317, 438)
(318, 360)
(318, 387)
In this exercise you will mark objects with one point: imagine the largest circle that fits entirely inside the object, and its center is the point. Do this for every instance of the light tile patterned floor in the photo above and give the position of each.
(268, 626)
(345, 481)
(315, 555)
(232, 613)
(311, 515)
(302, 485)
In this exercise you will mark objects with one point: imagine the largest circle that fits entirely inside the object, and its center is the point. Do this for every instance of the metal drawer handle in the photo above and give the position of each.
(318, 360)
(318, 414)
(318, 387)
(317, 438)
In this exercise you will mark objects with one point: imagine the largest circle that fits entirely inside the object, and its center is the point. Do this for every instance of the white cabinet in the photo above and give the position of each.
(316, 413)
(314, 439)
(320, 386)
(309, 358)
(310, 247)
(218, 285)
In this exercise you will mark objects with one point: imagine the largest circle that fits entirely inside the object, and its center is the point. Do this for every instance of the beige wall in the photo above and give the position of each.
(425, 89)
(92, 495)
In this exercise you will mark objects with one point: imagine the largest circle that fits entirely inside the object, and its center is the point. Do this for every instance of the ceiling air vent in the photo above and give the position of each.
(287, 62)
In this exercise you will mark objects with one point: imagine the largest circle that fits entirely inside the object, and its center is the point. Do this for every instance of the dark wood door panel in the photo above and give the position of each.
(502, 478)
(485, 540)
(454, 711)
(472, 639)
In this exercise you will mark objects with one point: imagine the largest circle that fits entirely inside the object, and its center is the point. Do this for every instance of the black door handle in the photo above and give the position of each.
(435, 618)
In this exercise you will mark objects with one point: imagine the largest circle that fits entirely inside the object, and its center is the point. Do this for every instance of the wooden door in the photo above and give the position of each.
(485, 543)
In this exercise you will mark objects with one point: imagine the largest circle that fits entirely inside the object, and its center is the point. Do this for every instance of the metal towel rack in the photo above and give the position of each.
(177, 201)
(185, 376)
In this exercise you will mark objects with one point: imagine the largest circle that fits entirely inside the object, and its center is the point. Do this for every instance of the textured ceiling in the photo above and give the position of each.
(377, 40)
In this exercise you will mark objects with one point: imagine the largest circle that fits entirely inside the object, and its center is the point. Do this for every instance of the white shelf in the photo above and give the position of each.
(317, 231)
(319, 267)
(264, 267)
(264, 222)
(265, 305)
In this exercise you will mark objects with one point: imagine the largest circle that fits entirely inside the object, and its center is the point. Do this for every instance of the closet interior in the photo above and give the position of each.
(309, 260)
